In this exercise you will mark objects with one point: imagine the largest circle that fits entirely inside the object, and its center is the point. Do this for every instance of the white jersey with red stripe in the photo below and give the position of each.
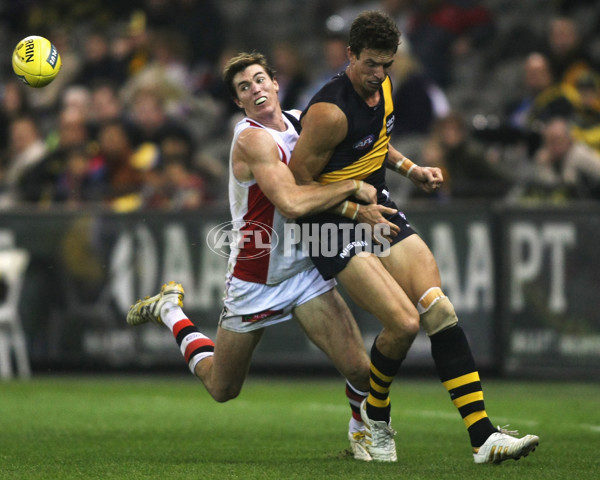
(257, 254)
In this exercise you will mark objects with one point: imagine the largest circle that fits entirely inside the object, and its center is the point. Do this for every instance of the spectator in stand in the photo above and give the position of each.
(74, 183)
(441, 30)
(117, 171)
(469, 171)
(290, 72)
(210, 84)
(587, 116)
(98, 63)
(565, 169)
(77, 97)
(38, 185)
(417, 100)
(167, 71)
(26, 150)
(13, 103)
(400, 10)
(335, 56)
(174, 184)
(542, 98)
(199, 21)
(566, 51)
(130, 45)
(149, 117)
(106, 106)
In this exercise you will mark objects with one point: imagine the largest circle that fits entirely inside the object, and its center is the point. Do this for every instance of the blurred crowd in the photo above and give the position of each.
(138, 117)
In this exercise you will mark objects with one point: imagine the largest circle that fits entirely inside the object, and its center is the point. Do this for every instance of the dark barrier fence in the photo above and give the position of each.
(525, 283)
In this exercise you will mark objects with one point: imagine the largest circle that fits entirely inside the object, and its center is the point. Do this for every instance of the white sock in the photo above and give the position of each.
(355, 425)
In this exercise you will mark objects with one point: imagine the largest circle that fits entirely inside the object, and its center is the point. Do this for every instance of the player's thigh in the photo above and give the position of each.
(375, 290)
(412, 265)
(233, 354)
(330, 325)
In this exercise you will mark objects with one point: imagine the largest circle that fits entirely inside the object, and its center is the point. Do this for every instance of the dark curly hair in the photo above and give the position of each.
(239, 63)
(374, 30)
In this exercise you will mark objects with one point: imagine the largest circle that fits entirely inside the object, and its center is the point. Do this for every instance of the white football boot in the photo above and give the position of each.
(358, 446)
(502, 445)
(148, 309)
(379, 437)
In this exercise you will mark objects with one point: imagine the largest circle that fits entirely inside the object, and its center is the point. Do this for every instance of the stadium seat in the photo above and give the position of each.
(13, 264)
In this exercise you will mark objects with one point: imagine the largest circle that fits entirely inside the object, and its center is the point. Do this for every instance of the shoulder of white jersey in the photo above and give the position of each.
(295, 113)
(248, 122)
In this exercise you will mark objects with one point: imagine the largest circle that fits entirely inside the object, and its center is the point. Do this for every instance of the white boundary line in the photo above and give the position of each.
(443, 415)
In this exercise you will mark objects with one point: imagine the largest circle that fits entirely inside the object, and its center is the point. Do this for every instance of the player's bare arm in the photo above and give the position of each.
(323, 128)
(255, 156)
(428, 179)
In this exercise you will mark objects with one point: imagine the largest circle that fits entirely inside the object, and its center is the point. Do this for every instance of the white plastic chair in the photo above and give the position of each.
(13, 264)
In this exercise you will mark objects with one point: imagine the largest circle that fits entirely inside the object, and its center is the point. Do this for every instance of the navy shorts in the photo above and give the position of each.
(340, 239)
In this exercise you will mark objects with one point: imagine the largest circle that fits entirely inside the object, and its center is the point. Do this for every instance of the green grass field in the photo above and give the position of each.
(169, 428)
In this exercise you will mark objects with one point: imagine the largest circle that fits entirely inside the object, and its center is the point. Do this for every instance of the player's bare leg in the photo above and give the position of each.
(372, 288)
(414, 268)
(224, 374)
(222, 370)
(329, 324)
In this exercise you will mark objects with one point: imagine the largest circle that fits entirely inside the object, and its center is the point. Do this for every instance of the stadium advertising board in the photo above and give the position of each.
(522, 281)
(550, 311)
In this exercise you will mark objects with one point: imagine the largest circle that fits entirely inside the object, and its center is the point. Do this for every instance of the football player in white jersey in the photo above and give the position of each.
(275, 286)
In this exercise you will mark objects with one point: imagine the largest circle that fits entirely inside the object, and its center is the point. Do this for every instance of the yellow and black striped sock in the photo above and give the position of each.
(456, 368)
(383, 370)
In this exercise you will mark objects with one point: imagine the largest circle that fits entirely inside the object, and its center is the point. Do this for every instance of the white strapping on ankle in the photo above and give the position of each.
(355, 425)
(170, 314)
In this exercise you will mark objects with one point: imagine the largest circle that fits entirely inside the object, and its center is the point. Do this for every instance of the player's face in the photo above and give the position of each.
(256, 91)
(370, 69)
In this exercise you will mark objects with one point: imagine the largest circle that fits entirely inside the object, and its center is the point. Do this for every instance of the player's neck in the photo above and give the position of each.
(273, 120)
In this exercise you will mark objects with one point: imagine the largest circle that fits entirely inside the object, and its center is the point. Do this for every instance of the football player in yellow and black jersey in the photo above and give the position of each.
(345, 134)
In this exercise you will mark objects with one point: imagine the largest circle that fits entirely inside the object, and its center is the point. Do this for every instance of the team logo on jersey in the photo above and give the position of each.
(364, 143)
(250, 239)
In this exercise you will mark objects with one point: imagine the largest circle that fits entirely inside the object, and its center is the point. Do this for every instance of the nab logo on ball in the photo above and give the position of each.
(36, 61)
(52, 57)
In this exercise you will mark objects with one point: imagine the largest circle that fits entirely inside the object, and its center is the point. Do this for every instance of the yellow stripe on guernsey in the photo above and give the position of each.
(374, 158)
